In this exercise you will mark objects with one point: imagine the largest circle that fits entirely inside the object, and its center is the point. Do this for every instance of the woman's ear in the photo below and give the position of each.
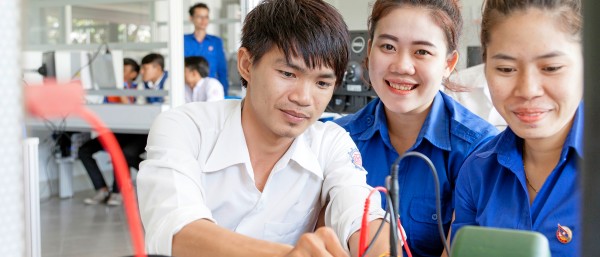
(451, 62)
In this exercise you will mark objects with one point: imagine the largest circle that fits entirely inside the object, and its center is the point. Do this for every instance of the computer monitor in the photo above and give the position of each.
(103, 71)
(48, 68)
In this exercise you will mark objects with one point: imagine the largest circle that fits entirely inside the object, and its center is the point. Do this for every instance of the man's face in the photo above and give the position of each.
(129, 74)
(151, 72)
(283, 98)
(200, 19)
(191, 77)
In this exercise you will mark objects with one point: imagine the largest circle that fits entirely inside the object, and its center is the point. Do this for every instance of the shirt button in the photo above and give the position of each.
(434, 216)
(370, 120)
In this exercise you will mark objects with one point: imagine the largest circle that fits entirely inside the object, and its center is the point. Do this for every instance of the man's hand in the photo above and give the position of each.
(322, 242)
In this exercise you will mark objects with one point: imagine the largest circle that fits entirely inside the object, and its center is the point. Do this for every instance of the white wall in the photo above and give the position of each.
(471, 12)
(355, 12)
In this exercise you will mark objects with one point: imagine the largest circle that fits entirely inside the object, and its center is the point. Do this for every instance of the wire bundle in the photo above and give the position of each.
(391, 194)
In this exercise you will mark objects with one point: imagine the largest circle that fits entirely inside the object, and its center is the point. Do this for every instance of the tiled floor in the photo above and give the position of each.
(71, 228)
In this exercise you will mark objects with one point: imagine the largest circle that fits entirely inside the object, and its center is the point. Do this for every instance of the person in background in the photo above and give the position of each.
(131, 144)
(250, 177)
(200, 87)
(131, 70)
(533, 58)
(154, 75)
(208, 46)
(411, 52)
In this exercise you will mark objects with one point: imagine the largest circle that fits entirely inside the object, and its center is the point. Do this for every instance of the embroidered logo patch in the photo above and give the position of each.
(564, 234)
(356, 158)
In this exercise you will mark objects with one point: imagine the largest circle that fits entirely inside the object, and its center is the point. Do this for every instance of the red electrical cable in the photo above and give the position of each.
(111, 145)
(54, 100)
(404, 239)
(364, 228)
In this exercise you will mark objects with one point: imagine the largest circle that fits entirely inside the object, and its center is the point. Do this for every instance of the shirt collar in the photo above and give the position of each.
(153, 84)
(301, 153)
(199, 85)
(436, 128)
(375, 124)
(231, 149)
(575, 138)
(510, 146)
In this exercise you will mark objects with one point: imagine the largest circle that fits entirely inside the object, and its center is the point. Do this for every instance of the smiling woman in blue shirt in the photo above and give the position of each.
(526, 177)
(412, 51)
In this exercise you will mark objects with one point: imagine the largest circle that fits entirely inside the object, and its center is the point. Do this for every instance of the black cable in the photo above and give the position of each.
(91, 59)
(392, 187)
(48, 178)
(387, 211)
(438, 202)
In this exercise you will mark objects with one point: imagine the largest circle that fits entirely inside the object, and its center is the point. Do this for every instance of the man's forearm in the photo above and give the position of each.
(204, 238)
(382, 245)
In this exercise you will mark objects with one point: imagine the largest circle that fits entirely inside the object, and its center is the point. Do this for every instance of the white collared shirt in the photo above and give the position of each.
(154, 84)
(198, 167)
(206, 90)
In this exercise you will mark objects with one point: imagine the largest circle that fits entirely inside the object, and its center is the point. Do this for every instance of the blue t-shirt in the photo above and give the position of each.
(211, 48)
(491, 190)
(448, 135)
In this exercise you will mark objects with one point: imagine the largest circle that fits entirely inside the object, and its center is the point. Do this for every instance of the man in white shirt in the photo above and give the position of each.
(200, 87)
(251, 177)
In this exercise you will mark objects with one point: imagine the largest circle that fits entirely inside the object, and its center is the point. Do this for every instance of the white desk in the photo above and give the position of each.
(120, 118)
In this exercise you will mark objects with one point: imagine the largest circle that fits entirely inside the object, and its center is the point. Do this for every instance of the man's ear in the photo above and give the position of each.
(244, 63)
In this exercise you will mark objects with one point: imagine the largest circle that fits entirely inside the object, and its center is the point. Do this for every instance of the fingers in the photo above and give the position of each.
(331, 242)
(322, 243)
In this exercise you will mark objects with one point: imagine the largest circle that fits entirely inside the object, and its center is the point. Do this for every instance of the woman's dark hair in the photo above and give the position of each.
(445, 13)
(568, 13)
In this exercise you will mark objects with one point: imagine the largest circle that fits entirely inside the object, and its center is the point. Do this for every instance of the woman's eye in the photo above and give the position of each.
(422, 52)
(388, 47)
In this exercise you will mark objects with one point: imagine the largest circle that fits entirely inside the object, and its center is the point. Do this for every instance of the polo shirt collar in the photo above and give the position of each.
(509, 147)
(436, 128)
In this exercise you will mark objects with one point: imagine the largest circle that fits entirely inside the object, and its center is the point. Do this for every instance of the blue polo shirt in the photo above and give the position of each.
(448, 135)
(211, 48)
(492, 191)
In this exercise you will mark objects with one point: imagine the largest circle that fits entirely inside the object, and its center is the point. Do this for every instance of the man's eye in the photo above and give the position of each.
(287, 74)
